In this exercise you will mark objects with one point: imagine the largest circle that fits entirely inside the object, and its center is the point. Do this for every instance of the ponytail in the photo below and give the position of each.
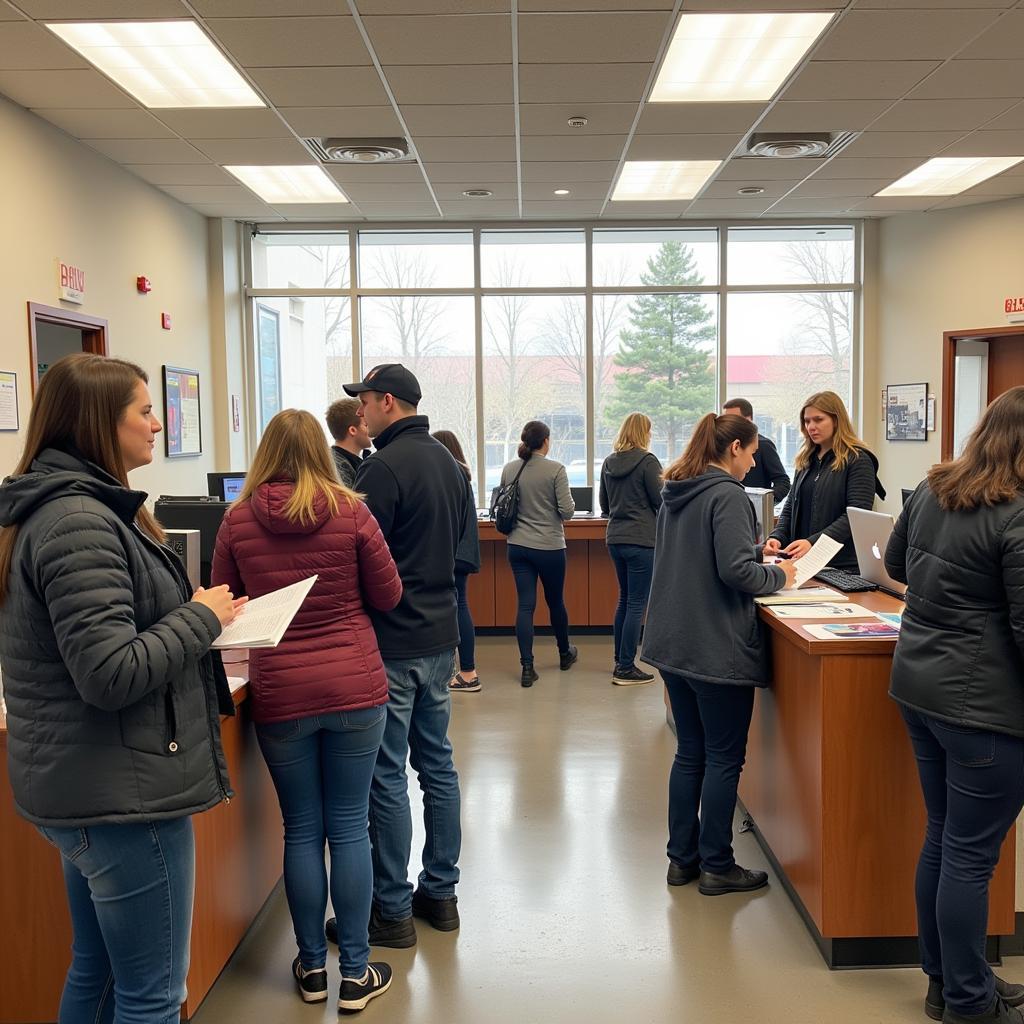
(710, 441)
(534, 434)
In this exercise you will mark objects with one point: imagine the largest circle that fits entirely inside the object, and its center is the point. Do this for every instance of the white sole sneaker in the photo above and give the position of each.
(355, 997)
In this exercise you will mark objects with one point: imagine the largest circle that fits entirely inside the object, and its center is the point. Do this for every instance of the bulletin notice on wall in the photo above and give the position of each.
(183, 424)
(8, 400)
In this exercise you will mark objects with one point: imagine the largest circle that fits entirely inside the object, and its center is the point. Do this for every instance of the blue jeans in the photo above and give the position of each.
(712, 722)
(467, 632)
(527, 564)
(322, 766)
(419, 709)
(130, 890)
(973, 784)
(633, 567)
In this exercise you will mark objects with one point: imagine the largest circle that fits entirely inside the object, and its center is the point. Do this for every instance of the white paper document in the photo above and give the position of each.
(809, 595)
(823, 611)
(824, 550)
(262, 621)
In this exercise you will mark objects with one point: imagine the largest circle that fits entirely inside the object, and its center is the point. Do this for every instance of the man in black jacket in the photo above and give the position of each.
(350, 438)
(420, 498)
(768, 470)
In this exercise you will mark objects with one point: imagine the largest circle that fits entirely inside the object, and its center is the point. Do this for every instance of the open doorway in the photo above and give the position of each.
(54, 333)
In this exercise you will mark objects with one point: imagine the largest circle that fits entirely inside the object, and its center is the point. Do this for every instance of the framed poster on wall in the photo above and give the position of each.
(183, 434)
(268, 341)
(906, 412)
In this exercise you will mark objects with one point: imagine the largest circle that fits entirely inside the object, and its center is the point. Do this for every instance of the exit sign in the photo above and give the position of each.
(71, 281)
(1013, 307)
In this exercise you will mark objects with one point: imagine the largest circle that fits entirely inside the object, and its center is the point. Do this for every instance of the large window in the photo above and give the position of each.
(575, 326)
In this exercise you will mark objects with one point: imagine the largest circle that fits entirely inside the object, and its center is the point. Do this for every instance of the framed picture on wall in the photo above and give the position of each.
(906, 412)
(183, 435)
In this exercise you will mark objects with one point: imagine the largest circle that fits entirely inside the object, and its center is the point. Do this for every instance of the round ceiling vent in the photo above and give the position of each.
(750, 190)
(577, 121)
(477, 193)
(365, 151)
(789, 147)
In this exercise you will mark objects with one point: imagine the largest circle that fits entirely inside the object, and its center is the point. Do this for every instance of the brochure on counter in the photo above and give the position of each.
(853, 630)
(806, 595)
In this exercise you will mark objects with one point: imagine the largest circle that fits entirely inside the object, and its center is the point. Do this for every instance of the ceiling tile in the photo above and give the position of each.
(593, 5)
(752, 206)
(472, 150)
(456, 172)
(590, 38)
(255, 123)
(800, 207)
(90, 10)
(382, 174)
(965, 200)
(829, 115)
(1001, 185)
(988, 144)
(234, 211)
(262, 8)
(682, 147)
(551, 118)
(181, 174)
(449, 190)
(566, 172)
(719, 189)
(254, 151)
(566, 209)
(756, 6)
(939, 115)
(486, 210)
(889, 144)
(1012, 120)
(447, 120)
(147, 151)
(934, 4)
(858, 79)
(1003, 41)
(107, 124)
(843, 167)
(579, 191)
(26, 46)
(963, 79)
(902, 35)
(884, 205)
(317, 211)
(590, 147)
(62, 90)
(318, 87)
(582, 83)
(483, 83)
(826, 188)
(9, 14)
(630, 209)
(441, 39)
(435, 6)
(697, 118)
(214, 194)
(759, 171)
(347, 122)
(291, 42)
(398, 211)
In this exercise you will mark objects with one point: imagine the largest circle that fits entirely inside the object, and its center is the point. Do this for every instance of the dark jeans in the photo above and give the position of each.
(633, 566)
(467, 632)
(527, 564)
(712, 721)
(973, 783)
(130, 891)
(322, 767)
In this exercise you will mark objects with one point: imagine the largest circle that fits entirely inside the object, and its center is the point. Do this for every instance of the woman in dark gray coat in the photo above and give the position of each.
(958, 674)
(703, 635)
(112, 695)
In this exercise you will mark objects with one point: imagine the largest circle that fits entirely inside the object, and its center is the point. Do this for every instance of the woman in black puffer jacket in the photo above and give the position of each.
(112, 693)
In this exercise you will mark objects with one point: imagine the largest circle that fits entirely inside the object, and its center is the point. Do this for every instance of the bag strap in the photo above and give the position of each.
(515, 479)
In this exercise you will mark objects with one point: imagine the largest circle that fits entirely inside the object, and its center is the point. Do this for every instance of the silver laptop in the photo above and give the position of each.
(871, 531)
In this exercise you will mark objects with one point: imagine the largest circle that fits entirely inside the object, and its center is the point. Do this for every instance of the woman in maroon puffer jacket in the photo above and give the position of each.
(318, 698)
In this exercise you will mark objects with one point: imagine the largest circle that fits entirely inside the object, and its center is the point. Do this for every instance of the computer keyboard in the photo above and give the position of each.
(848, 582)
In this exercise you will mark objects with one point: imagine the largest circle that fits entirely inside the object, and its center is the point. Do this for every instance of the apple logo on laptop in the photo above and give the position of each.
(875, 551)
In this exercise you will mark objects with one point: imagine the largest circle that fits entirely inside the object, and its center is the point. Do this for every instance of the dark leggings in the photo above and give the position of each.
(467, 632)
(527, 564)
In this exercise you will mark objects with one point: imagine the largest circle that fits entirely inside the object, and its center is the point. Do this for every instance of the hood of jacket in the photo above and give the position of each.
(620, 464)
(61, 474)
(268, 503)
(679, 493)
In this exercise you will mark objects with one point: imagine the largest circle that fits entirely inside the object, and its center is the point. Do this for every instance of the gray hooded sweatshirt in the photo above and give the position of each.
(631, 496)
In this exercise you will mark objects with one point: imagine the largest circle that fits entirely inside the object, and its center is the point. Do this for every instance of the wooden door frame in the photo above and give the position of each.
(94, 332)
(949, 340)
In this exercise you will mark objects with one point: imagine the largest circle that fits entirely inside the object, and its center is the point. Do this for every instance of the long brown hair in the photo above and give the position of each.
(79, 403)
(991, 467)
(451, 442)
(293, 447)
(635, 432)
(709, 443)
(845, 441)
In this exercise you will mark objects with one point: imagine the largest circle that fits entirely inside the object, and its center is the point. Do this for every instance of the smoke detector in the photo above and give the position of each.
(794, 145)
(577, 121)
(358, 151)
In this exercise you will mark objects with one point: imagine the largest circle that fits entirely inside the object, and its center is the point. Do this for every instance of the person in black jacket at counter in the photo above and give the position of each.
(768, 471)
(957, 674)
(835, 470)
(704, 636)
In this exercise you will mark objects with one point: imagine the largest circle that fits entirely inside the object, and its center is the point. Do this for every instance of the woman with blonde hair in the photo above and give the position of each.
(318, 698)
(630, 496)
(834, 471)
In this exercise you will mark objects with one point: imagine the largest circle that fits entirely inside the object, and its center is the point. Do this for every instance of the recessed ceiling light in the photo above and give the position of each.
(947, 176)
(663, 179)
(305, 183)
(749, 190)
(477, 193)
(561, 191)
(734, 57)
(161, 63)
(577, 121)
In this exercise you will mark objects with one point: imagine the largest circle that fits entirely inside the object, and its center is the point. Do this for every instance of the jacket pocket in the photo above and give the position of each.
(151, 724)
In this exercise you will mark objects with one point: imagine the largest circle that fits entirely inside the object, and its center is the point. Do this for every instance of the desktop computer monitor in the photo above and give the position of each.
(194, 513)
(226, 486)
(583, 497)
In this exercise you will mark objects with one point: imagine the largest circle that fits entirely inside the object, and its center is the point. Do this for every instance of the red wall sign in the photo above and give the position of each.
(1014, 305)
(72, 282)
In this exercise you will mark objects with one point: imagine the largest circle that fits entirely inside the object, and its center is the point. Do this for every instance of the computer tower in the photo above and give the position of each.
(185, 544)
(763, 500)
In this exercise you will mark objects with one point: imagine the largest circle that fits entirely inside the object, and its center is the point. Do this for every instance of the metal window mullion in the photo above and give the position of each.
(478, 348)
(297, 293)
(353, 304)
(589, 408)
(250, 361)
(856, 300)
(722, 376)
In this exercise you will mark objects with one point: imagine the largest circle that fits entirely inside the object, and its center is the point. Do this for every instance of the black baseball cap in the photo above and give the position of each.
(389, 379)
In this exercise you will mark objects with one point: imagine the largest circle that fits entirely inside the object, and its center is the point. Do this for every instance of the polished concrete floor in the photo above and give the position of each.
(565, 912)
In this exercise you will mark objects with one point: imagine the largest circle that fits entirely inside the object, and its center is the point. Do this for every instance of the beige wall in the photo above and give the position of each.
(62, 200)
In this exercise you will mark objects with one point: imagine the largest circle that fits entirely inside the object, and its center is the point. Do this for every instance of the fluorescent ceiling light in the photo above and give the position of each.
(946, 176)
(306, 183)
(715, 58)
(663, 179)
(161, 63)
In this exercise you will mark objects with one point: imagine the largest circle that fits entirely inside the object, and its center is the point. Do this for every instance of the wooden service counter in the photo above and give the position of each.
(591, 588)
(239, 850)
(831, 785)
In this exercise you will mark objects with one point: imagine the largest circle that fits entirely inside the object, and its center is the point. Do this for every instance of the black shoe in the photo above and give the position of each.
(566, 660)
(460, 684)
(354, 995)
(1001, 1012)
(331, 930)
(312, 984)
(630, 675)
(737, 880)
(442, 913)
(400, 934)
(529, 677)
(935, 1004)
(679, 874)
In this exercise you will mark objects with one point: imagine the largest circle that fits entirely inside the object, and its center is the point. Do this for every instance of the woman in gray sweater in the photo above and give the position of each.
(536, 546)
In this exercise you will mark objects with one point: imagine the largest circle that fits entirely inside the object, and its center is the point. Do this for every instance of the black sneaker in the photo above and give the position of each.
(935, 1004)
(442, 913)
(568, 659)
(737, 880)
(331, 930)
(630, 675)
(312, 984)
(529, 676)
(1001, 1012)
(679, 874)
(400, 934)
(354, 995)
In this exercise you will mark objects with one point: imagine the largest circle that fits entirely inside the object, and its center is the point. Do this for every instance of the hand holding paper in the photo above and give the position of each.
(824, 550)
(263, 621)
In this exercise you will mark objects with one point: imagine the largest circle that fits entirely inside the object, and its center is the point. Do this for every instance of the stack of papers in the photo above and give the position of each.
(808, 595)
(849, 630)
(823, 611)
(263, 621)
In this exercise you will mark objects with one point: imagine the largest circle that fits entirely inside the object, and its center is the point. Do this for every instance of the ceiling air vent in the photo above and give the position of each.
(358, 151)
(791, 145)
